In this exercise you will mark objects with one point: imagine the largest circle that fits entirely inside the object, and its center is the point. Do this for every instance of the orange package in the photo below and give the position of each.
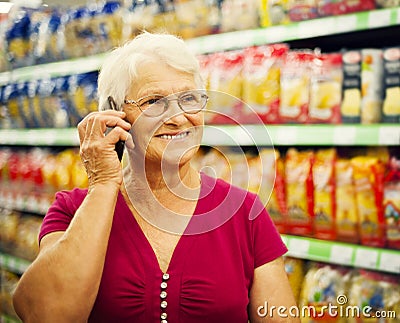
(272, 192)
(347, 229)
(368, 179)
(299, 191)
(391, 204)
(324, 194)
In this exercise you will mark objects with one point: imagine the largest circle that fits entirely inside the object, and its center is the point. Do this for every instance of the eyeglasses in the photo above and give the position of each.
(155, 105)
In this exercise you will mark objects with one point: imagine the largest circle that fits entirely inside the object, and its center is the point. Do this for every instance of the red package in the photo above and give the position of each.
(391, 204)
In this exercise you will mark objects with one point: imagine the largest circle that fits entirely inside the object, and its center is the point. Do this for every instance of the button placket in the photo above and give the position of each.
(163, 296)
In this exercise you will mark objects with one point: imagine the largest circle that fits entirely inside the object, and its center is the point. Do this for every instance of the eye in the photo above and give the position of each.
(189, 99)
(149, 101)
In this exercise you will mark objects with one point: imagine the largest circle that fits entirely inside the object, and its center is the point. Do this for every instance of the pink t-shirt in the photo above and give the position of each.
(210, 274)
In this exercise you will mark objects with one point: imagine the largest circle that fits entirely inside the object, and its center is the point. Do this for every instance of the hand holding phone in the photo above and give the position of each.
(119, 146)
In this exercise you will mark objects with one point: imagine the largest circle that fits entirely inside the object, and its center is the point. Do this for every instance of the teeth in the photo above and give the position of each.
(178, 136)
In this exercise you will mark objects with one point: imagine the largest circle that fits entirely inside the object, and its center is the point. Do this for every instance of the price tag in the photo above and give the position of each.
(389, 135)
(344, 135)
(299, 247)
(285, 136)
(390, 262)
(366, 258)
(379, 18)
(346, 23)
(341, 255)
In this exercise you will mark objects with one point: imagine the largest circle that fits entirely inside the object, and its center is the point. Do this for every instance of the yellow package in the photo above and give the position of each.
(273, 12)
(324, 194)
(346, 204)
(295, 270)
(299, 191)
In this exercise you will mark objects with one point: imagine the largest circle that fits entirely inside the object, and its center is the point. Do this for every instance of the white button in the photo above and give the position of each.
(164, 285)
(163, 316)
(165, 276)
(163, 294)
(164, 304)
(164, 321)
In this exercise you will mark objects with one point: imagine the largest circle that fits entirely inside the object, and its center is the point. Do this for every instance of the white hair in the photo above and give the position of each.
(119, 69)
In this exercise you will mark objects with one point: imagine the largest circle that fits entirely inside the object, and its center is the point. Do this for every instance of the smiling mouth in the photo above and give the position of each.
(180, 135)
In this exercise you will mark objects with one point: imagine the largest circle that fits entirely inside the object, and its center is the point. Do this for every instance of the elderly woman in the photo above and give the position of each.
(155, 241)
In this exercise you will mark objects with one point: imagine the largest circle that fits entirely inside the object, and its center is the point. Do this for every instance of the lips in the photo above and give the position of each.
(172, 136)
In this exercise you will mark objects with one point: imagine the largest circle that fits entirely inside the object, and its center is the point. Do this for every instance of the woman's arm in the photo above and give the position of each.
(271, 296)
(62, 283)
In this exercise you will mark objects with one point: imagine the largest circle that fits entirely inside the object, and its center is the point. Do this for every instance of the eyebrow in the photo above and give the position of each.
(159, 91)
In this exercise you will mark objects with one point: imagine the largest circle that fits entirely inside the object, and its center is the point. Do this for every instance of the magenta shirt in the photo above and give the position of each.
(210, 274)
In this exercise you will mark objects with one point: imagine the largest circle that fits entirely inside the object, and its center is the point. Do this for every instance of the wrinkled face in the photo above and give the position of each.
(174, 136)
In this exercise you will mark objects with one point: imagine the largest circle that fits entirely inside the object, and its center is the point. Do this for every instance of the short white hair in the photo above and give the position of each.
(119, 69)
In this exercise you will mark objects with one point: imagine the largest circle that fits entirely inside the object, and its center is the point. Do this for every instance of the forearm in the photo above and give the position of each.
(62, 283)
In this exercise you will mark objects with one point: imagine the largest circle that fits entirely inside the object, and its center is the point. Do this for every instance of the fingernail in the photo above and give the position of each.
(129, 142)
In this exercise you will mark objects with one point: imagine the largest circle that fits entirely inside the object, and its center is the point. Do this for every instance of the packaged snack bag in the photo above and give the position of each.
(18, 43)
(273, 12)
(326, 89)
(387, 3)
(324, 194)
(239, 15)
(23, 104)
(10, 98)
(299, 191)
(299, 10)
(391, 203)
(47, 102)
(358, 5)
(380, 292)
(261, 80)
(272, 191)
(321, 287)
(295, 270)
(371, 85)
(295, 86)
(225, 104)
(391, 85)
(347, 221)
(351, 97)
(368, 180)
(331, 7)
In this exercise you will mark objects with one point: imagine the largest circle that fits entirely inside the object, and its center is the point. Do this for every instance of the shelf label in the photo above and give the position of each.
(366, 258)
(389, 135)
(285, 136)
(390, 262)
(346, 23)
(344, 135)
(341, 255)
(380, 18)
(299, 247)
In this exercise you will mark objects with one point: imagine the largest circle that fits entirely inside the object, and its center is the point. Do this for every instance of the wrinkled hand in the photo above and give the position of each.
(97, 150)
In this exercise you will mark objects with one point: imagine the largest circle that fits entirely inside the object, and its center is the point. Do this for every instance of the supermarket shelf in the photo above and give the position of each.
(228, 135)
(40, 137)
(303, 135)
(343, 254)
(13, 264)
(22, 203)
(299, 247)
(301, 30)
(225, 41)
(61, 68)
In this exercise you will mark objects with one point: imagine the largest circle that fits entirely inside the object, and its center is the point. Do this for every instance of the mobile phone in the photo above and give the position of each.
(119, 146)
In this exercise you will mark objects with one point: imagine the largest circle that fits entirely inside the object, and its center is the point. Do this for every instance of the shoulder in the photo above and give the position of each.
(69, 200)
(230, 198)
